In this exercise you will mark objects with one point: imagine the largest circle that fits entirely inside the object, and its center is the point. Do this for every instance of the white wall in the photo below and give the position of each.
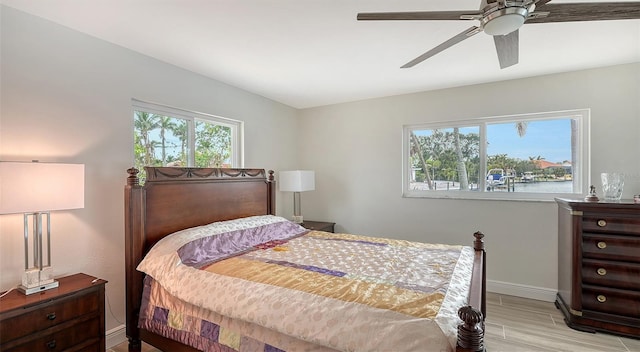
(66, 97)
(355, 149)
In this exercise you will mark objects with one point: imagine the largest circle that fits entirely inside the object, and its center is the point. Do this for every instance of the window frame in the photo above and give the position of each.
(581, 175)
(236, 126)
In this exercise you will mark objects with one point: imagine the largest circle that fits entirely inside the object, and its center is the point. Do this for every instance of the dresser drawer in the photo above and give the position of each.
(612, 301)
(612, 274)
(85, 333)
(612, 247)
(46, 316)
(608, 224)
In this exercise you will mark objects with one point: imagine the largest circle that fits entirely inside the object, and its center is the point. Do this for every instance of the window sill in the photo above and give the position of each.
(497, 196)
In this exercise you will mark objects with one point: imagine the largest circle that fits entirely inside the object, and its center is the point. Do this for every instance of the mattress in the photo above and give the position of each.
(266, 284)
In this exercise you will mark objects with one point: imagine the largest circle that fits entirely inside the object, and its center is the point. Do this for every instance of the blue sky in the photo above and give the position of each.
(550, 139)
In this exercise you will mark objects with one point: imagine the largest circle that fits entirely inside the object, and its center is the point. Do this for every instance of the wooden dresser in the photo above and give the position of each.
(599, 266)
(67, 318)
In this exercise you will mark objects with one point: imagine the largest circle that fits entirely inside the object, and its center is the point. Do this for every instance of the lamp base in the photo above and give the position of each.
(31, 290)
(37, 280)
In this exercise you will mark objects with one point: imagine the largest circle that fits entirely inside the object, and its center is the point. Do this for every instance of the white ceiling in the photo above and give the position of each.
(307, 53)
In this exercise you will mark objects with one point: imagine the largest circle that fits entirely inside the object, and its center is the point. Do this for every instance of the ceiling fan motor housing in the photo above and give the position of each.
(504, 21)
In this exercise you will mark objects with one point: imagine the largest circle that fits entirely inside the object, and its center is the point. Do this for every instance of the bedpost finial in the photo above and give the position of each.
(470, 315)
(133, 180)
(478, 244)
(471, 332)
(271, 178)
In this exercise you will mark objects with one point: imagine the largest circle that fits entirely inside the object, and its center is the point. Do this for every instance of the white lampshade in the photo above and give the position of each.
(29, 187)
(297, 181)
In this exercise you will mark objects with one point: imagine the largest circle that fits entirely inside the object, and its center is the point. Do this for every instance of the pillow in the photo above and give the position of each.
(202, 245)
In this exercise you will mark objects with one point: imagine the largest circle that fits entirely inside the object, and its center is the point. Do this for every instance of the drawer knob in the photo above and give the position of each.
(601, 298)
(602, 245)
(602, 223)
(51, 316)
(602, 271)
(51, 344)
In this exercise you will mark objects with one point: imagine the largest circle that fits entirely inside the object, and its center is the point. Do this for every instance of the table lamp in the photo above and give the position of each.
(35, 189)
(297, 181)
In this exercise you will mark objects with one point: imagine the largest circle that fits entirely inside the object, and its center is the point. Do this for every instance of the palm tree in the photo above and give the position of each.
(164, 123)
(521, 128)
(417, 150)
(460, 166)
(144, 123)
(179, 130)
(534, 160)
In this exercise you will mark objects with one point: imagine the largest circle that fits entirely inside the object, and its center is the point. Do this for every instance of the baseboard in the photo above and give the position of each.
(532, 292)
(116, 336)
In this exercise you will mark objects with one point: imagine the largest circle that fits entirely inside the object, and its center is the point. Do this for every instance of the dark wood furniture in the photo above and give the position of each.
(599, 266)
(318, 225)
(67, 318)
(173, 199)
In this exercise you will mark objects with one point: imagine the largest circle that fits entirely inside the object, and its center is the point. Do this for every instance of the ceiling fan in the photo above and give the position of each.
(503, 18)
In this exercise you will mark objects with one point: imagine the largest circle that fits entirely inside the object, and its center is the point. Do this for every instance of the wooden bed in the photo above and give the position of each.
(173, 199)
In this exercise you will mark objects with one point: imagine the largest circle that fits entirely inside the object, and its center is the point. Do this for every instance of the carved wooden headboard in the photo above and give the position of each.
(176, 198)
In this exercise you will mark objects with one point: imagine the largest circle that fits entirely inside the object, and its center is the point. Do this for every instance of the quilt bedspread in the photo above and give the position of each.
(341, 291)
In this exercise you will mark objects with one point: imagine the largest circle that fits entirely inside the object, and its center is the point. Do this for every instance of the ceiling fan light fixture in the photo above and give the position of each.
(504, 21)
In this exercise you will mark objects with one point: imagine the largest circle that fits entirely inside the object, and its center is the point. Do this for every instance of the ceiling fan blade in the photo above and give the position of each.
(426, 15)
(587, 11)
(541, 2)
(507, 48)
(449, 43)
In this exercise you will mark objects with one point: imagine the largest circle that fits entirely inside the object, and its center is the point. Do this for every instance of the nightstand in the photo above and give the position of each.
(70, 317)
(318, 225)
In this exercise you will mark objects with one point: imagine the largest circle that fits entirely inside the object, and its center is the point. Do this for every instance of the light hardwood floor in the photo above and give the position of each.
(523, 325)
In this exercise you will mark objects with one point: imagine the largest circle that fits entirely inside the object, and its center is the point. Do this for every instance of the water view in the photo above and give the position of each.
(554, 186)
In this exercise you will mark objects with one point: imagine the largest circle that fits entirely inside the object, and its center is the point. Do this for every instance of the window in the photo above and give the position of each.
(533, 156)
(165, 136)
